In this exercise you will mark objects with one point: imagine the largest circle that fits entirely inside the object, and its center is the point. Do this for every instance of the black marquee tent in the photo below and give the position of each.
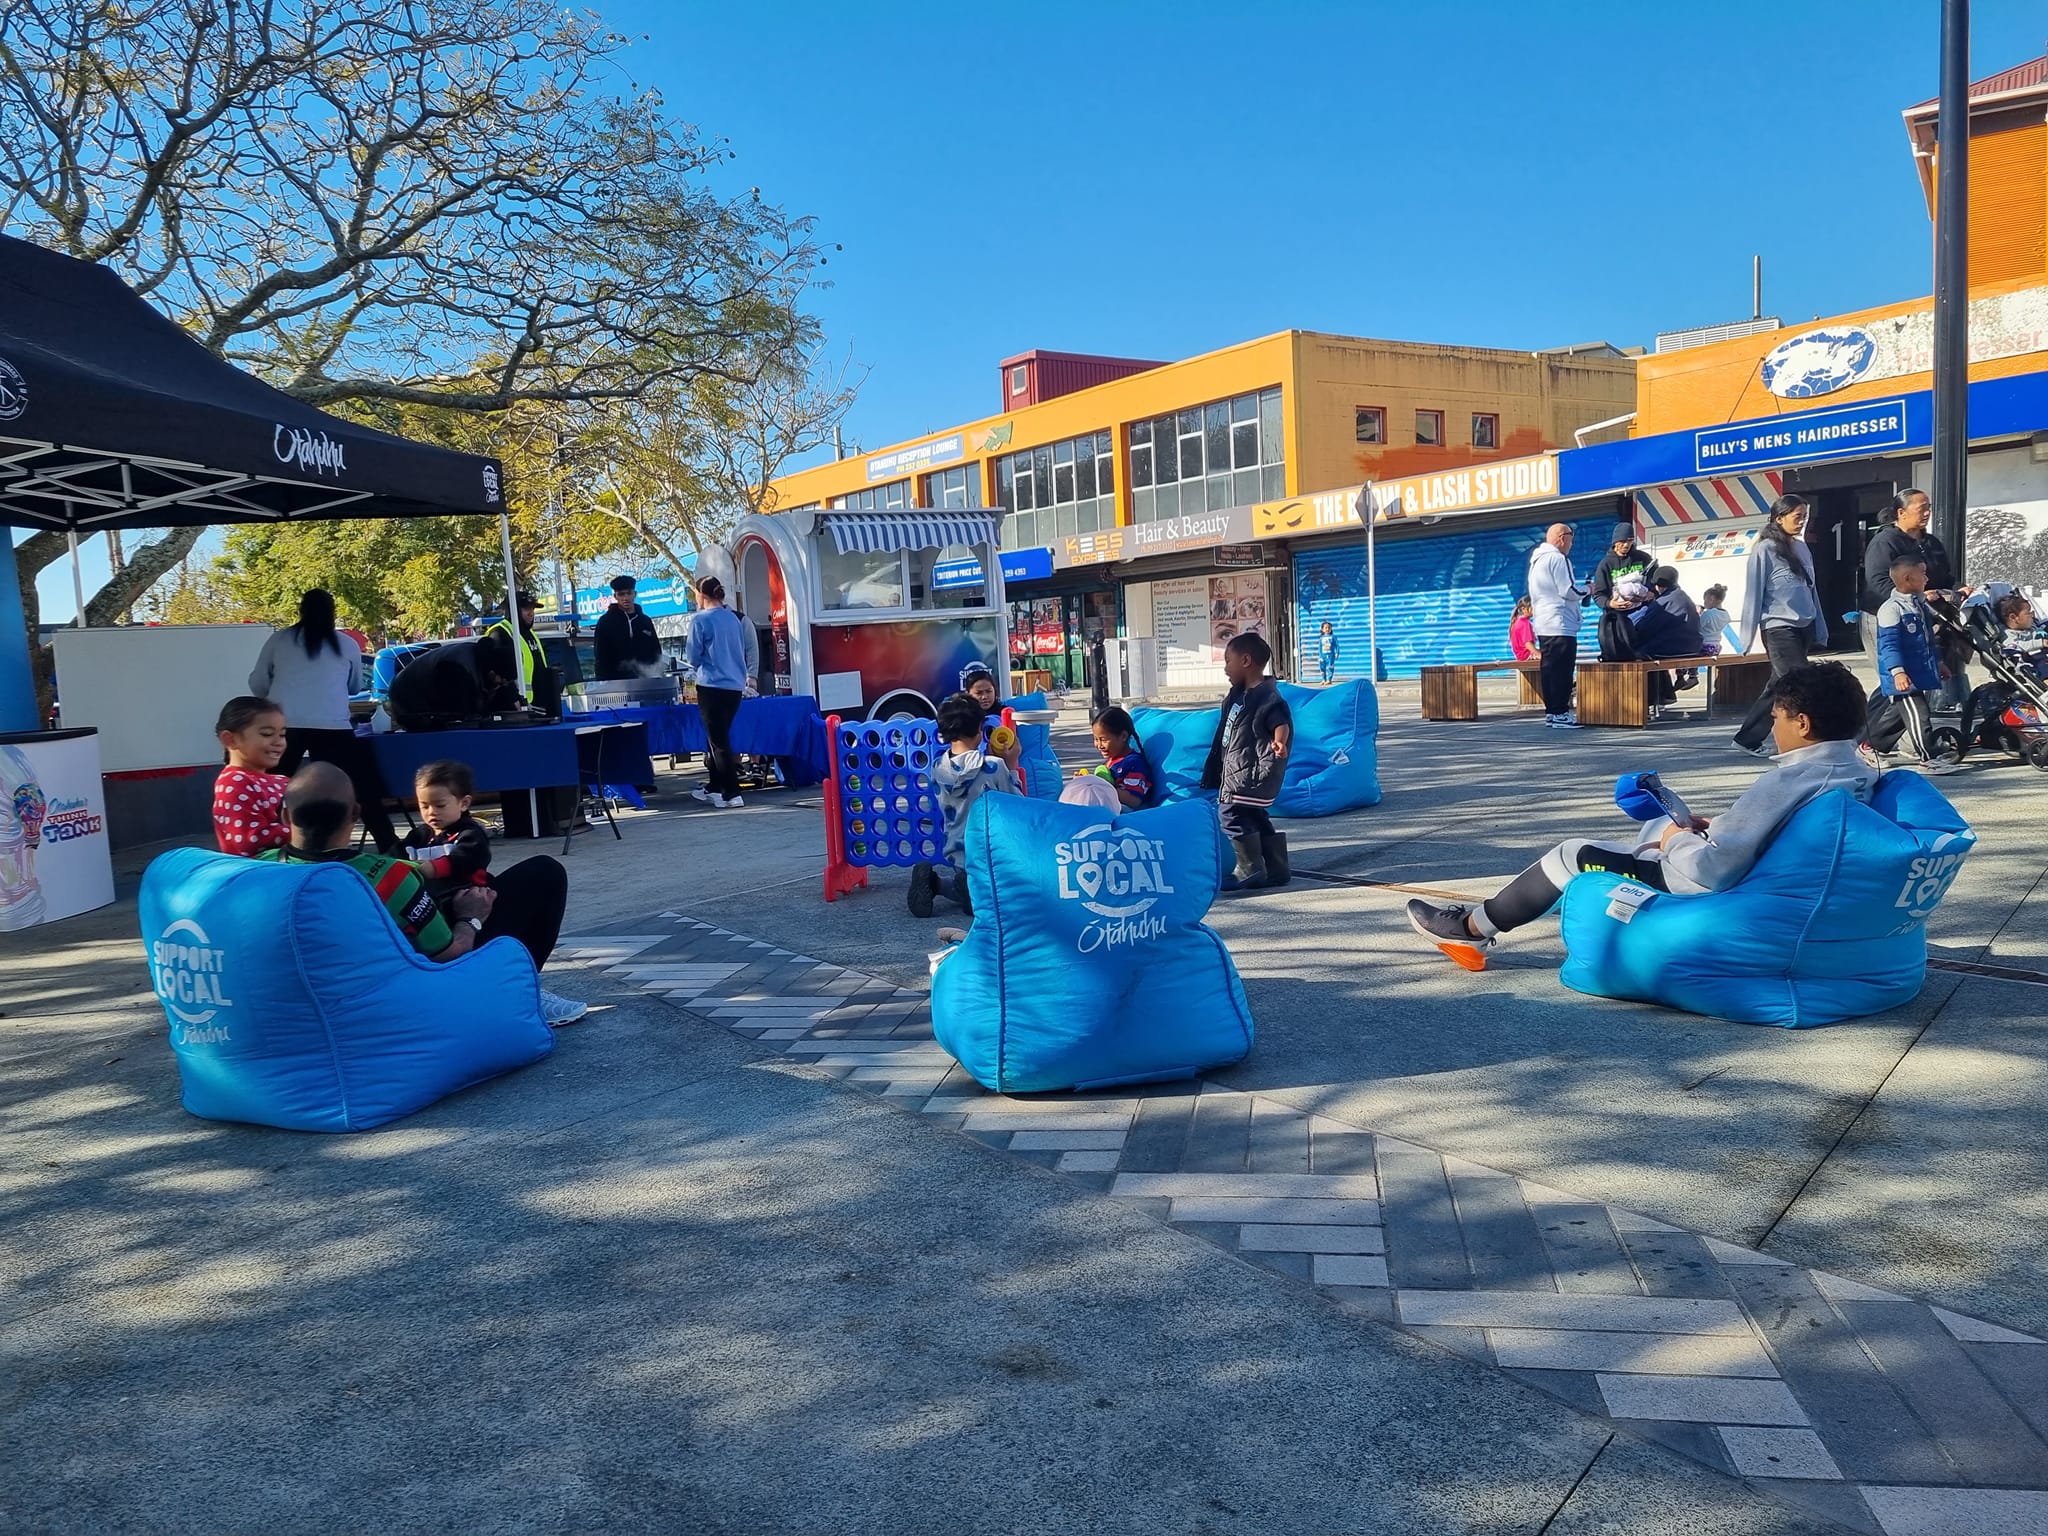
(112, 417)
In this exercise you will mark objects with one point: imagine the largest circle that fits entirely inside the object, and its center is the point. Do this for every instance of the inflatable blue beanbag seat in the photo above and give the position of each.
(1042, 775)
(1332, 766)
(1828, 925)
(1088, 963)
(295, 1001)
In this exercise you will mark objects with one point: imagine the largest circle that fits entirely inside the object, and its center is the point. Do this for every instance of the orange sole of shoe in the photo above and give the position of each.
(1469, 956)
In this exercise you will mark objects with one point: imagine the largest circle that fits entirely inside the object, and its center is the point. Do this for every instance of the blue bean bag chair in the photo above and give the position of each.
(294, 1000)
(1088, 963)
(1041, 768)
(1333, 765)
(1830, 924)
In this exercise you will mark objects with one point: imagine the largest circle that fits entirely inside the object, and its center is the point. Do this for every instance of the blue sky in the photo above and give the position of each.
(1155, 180)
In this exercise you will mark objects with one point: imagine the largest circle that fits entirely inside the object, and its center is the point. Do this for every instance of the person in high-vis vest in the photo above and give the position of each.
(534, 659)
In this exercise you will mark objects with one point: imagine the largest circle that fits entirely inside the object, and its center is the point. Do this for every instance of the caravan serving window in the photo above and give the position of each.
(859, 578)
(954, 577)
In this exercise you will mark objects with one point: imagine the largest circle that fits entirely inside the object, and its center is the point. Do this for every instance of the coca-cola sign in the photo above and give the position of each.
(314, 451)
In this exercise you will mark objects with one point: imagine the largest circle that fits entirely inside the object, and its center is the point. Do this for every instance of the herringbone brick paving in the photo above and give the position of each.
(1871, 1409)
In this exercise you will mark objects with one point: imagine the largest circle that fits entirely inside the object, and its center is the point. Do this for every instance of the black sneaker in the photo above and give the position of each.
(922, 886)
(1444, 926)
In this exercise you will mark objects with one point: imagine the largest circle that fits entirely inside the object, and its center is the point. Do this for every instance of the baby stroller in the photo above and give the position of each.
(2009, 713)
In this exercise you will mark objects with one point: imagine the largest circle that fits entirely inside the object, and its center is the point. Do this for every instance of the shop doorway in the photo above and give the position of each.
(1056, 637)
(1843, 518)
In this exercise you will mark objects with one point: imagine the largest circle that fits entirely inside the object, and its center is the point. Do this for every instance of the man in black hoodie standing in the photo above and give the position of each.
(1624, 561)
(625, 643)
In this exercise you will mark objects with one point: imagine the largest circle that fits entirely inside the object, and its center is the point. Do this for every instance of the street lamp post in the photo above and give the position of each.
(1952, 286)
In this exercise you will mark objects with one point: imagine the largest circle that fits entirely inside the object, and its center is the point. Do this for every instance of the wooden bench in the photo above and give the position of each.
(1609, 692)
(1618, 692)
(1451, 691)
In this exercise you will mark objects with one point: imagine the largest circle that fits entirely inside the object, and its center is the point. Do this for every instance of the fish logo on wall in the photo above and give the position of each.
(1818, 362)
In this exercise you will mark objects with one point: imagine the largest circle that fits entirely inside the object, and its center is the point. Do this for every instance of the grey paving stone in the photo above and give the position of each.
(1579, 1388)
(1839, 1502)
(1279, 1141)
(1501, 1241)
(1424, 1247)
(1536, 1309)
(1585, 1251)
(1348, 1269)
(1087, 1162)
(1219, 1140)
(1069, 1141)
(1157, 1136)
(1982, 1434)
(1294, 1265)
(1697, 1441)
(1958, 1511)
(997, 1139)
(1222, 1233)
(1099, 1182)
(1854, 1408)
(1043, 1159)
(1673, 1264)
(1297, 1238)
(1700, 1399)
(1469, 1342)
(1363, 1301)
(1277, 1210)
(1664, 1354)
(1285, 1186)
(1975, 1330)
(1778, 1452)
(2020, 1372)
(1339, 1151)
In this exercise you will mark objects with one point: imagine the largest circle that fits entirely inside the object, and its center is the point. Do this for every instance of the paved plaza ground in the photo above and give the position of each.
(1445, 1253)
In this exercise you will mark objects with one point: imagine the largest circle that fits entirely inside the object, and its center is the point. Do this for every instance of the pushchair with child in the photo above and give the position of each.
(2008, 713)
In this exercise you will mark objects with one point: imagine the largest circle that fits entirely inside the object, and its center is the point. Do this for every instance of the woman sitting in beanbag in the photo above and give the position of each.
(1816, 718)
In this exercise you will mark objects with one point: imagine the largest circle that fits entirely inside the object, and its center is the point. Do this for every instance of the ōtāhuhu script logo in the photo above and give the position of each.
(13, 391)
(190, 979)
(316, 451)
(1118, 875)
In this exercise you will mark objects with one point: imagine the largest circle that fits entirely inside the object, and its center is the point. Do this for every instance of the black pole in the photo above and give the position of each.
(1950, 490)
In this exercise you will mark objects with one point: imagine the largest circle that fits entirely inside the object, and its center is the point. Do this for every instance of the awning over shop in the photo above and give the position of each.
(880, 532)
(112, 417)
(1708, 501)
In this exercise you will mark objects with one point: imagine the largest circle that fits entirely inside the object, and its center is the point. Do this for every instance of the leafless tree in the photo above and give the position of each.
(461, 203)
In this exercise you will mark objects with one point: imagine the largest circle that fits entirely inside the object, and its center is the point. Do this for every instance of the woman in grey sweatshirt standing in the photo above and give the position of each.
(1782, 602)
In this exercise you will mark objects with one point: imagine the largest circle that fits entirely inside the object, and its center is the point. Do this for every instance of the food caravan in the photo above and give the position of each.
(874, 614)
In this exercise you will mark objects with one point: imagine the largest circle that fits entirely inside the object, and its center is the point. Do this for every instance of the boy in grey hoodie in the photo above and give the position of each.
(1816, 718)
(960, 777)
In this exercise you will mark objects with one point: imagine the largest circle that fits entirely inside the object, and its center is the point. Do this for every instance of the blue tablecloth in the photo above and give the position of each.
(786, 728)
(523, 757)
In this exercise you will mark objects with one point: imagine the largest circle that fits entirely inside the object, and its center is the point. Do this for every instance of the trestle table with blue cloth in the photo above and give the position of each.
(524, 757)
(787, 728)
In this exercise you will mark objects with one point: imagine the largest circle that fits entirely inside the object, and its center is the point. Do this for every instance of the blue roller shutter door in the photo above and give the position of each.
(1446, 597)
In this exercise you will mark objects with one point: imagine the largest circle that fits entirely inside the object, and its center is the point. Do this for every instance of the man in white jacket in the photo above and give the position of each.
(1556, 596)
(1817, 717)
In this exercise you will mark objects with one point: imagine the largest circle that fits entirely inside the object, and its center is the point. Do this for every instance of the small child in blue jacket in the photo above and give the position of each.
(1907, 668)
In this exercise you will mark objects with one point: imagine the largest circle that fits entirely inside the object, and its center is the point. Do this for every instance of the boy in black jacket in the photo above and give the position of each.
(452, 850)
(1247, 760)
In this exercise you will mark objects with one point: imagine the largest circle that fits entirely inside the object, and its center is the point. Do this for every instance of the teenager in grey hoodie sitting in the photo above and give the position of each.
(1816, 719)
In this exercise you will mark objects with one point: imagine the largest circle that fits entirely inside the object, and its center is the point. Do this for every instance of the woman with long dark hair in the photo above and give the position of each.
(309, 671)
(1782, 603)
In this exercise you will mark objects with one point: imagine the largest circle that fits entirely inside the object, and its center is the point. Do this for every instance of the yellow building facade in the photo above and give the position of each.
(1282, 416)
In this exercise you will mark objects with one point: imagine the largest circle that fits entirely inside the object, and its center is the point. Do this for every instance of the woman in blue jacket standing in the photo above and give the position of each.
(717, 652)
(1782, 603)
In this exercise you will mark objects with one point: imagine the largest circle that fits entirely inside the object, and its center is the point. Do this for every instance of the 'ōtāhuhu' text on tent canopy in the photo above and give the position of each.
(112, 417)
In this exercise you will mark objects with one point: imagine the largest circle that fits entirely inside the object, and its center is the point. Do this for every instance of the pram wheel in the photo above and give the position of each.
(1945, 744)
(2037, 753)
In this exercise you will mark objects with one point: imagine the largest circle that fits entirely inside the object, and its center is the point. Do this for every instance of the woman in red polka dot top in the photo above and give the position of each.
(248, 799)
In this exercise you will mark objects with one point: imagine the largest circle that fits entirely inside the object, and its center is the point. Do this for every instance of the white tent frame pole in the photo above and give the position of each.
(512, 607)
(1366, 510)
(77, 579)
